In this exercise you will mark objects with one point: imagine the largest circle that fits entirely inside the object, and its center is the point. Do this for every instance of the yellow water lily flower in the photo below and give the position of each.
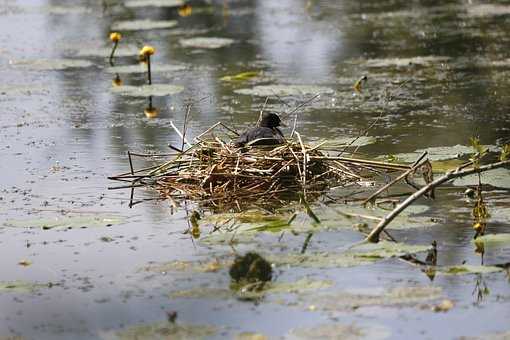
(184, 10)
(115, 37)
(147, 51)
(151, 112)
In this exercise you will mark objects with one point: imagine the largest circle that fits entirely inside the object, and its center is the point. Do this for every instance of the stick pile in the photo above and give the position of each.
(213, 173)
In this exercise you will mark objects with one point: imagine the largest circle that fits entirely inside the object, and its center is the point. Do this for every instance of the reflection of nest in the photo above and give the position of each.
(217, 175)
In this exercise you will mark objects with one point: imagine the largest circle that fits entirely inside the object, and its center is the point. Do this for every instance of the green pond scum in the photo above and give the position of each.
(384, 102)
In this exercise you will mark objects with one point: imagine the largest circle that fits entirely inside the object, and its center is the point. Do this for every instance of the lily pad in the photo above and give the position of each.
(401, 296)
(154, 3)
(336, 331)
(206, 42)
(188, 266)
(494, 239)
(22, 90)
(50, 64)
(21, 286)
(319, 260)
(139, 25)
(147, 90)
(123, 50)
(66, 222)
(386, 249)
(142, 68)
(284, 90)
(296, 287)
(241, 76)
(404, 62)
(468, 269)
(441, 153)
(499, 178)
(488, 10)
(162, 330)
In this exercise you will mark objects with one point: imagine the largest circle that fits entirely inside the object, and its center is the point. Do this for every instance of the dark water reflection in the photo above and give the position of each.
(63, 136)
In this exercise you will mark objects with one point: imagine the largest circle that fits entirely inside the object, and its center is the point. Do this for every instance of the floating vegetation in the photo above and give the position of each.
(139, 25)
(394, 297)
(488, 10)
(284, 90)
(335, 331)
(405, 62)
(187, 266)
(386, 249)
(441, 152)
(494, 240)
(499, 178)
(216, 174)
(22, 286)
(50, 64)
(141, 68)
(147, 90)
(468, 269)
(124, 50)
(241, 76)
(206, 42)
(66, 222)
(162, 330)
(154, 3)
(22, 90)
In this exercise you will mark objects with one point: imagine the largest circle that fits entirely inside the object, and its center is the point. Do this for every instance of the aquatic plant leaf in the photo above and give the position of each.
(139, 25)
(142, 68)
(123, 50)
(284, 90)
(319, 260)
(153, 3)
(22, 90)
(385, 249)
(446, 165)
(147, 90)
(188, 266)
(489, 336)
(250, 336)
(335, 331)
(499, 178)
(161, 330)
(488, 10)
(67, 222)
(50, 64)
(401, 296)
(206, 42)
(468, 269)
(494, 239)
(441, 152)
(241, 76)
(21, 286)
(404, 62)
(296, 287)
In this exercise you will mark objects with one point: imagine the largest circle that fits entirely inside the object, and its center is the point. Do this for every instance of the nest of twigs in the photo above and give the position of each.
(214, 173)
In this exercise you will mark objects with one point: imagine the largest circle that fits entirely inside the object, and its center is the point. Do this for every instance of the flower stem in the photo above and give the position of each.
(113, 51)
(149, 69)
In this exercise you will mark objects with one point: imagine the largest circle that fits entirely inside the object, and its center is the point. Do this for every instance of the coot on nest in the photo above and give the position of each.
(265, 134)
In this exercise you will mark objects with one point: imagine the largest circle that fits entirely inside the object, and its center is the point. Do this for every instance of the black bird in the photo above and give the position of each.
(267, 133)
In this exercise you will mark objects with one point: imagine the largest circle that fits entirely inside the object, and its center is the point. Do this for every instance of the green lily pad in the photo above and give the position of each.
(21, 286)
(162, 330)
(494, 239)
(404, 62)
(386, 249)
(153, 3)
(58, 10)
(66, 222)
(123, 50)
(188, 266)
(468, 269)
(489, 336)
(295, 287)
(142, 68)
(50, 64)
(206, 42)
(139, 25)
(319, 260)
(401, 296)
(147, 90)
(441, 153)
(284, 90)
(22, 90)
(241, 76)
(488, 10)
(336, 331)
(499, 178)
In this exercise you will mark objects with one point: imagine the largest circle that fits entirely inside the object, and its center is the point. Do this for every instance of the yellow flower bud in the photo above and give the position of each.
(115, 36)
(147, 51)
(184, 11)
(151, 112)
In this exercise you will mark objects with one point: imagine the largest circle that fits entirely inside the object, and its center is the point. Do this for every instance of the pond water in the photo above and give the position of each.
(78, 262)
